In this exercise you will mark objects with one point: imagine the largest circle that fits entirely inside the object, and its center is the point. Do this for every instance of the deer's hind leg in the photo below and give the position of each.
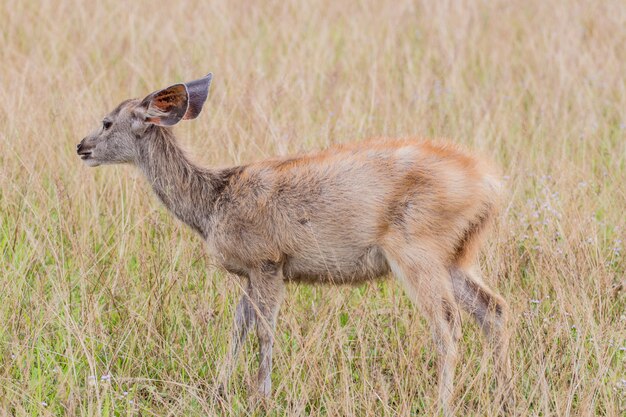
(427, 283)
(490, 312)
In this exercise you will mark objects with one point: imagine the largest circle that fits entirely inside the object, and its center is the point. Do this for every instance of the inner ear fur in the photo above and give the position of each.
(168, 106)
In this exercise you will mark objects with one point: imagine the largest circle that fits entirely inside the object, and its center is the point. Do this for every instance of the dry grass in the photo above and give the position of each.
(108, 306)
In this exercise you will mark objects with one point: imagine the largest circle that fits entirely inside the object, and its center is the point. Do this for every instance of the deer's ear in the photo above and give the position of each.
(198, 91)
(168, 106)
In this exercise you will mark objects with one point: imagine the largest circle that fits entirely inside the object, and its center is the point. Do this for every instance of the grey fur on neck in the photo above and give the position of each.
(185, 189)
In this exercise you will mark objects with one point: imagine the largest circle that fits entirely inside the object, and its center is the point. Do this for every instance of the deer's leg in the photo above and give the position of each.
(429, 287)
(490, 312)
(244, 320)
(267, 293)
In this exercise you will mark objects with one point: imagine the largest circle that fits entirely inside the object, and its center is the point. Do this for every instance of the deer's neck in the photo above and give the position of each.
(186, 190)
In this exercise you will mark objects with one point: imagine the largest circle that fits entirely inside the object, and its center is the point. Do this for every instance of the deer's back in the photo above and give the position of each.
(328, 216)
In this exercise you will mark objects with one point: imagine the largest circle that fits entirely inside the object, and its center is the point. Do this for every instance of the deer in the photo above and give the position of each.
(413, 209)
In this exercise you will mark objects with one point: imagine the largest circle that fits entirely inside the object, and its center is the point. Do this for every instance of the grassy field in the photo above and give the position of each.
(109, 306)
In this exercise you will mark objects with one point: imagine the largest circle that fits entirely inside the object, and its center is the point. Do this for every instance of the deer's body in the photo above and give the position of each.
(329, 216)
(346, 215)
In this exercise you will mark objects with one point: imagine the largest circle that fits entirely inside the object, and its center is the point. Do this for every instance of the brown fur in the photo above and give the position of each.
(346, 215)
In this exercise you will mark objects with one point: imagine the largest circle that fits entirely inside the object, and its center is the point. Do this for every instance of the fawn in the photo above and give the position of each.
(346, 215)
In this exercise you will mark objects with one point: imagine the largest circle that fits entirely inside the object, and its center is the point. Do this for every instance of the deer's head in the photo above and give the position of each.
(122, 130)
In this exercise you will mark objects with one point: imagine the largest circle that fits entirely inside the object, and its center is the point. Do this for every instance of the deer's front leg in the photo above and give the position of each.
(245, 317)
(267, 293)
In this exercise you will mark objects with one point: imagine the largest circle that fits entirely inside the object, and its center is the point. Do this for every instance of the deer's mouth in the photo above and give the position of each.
(86, 156)
(82, 150)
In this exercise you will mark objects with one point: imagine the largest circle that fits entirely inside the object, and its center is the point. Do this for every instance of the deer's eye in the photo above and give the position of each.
(106, 124)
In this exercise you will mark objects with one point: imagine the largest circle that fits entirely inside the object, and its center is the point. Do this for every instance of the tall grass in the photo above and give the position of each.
(108, 306)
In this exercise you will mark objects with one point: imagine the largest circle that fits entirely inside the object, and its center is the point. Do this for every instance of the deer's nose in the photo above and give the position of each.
(80, 148)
